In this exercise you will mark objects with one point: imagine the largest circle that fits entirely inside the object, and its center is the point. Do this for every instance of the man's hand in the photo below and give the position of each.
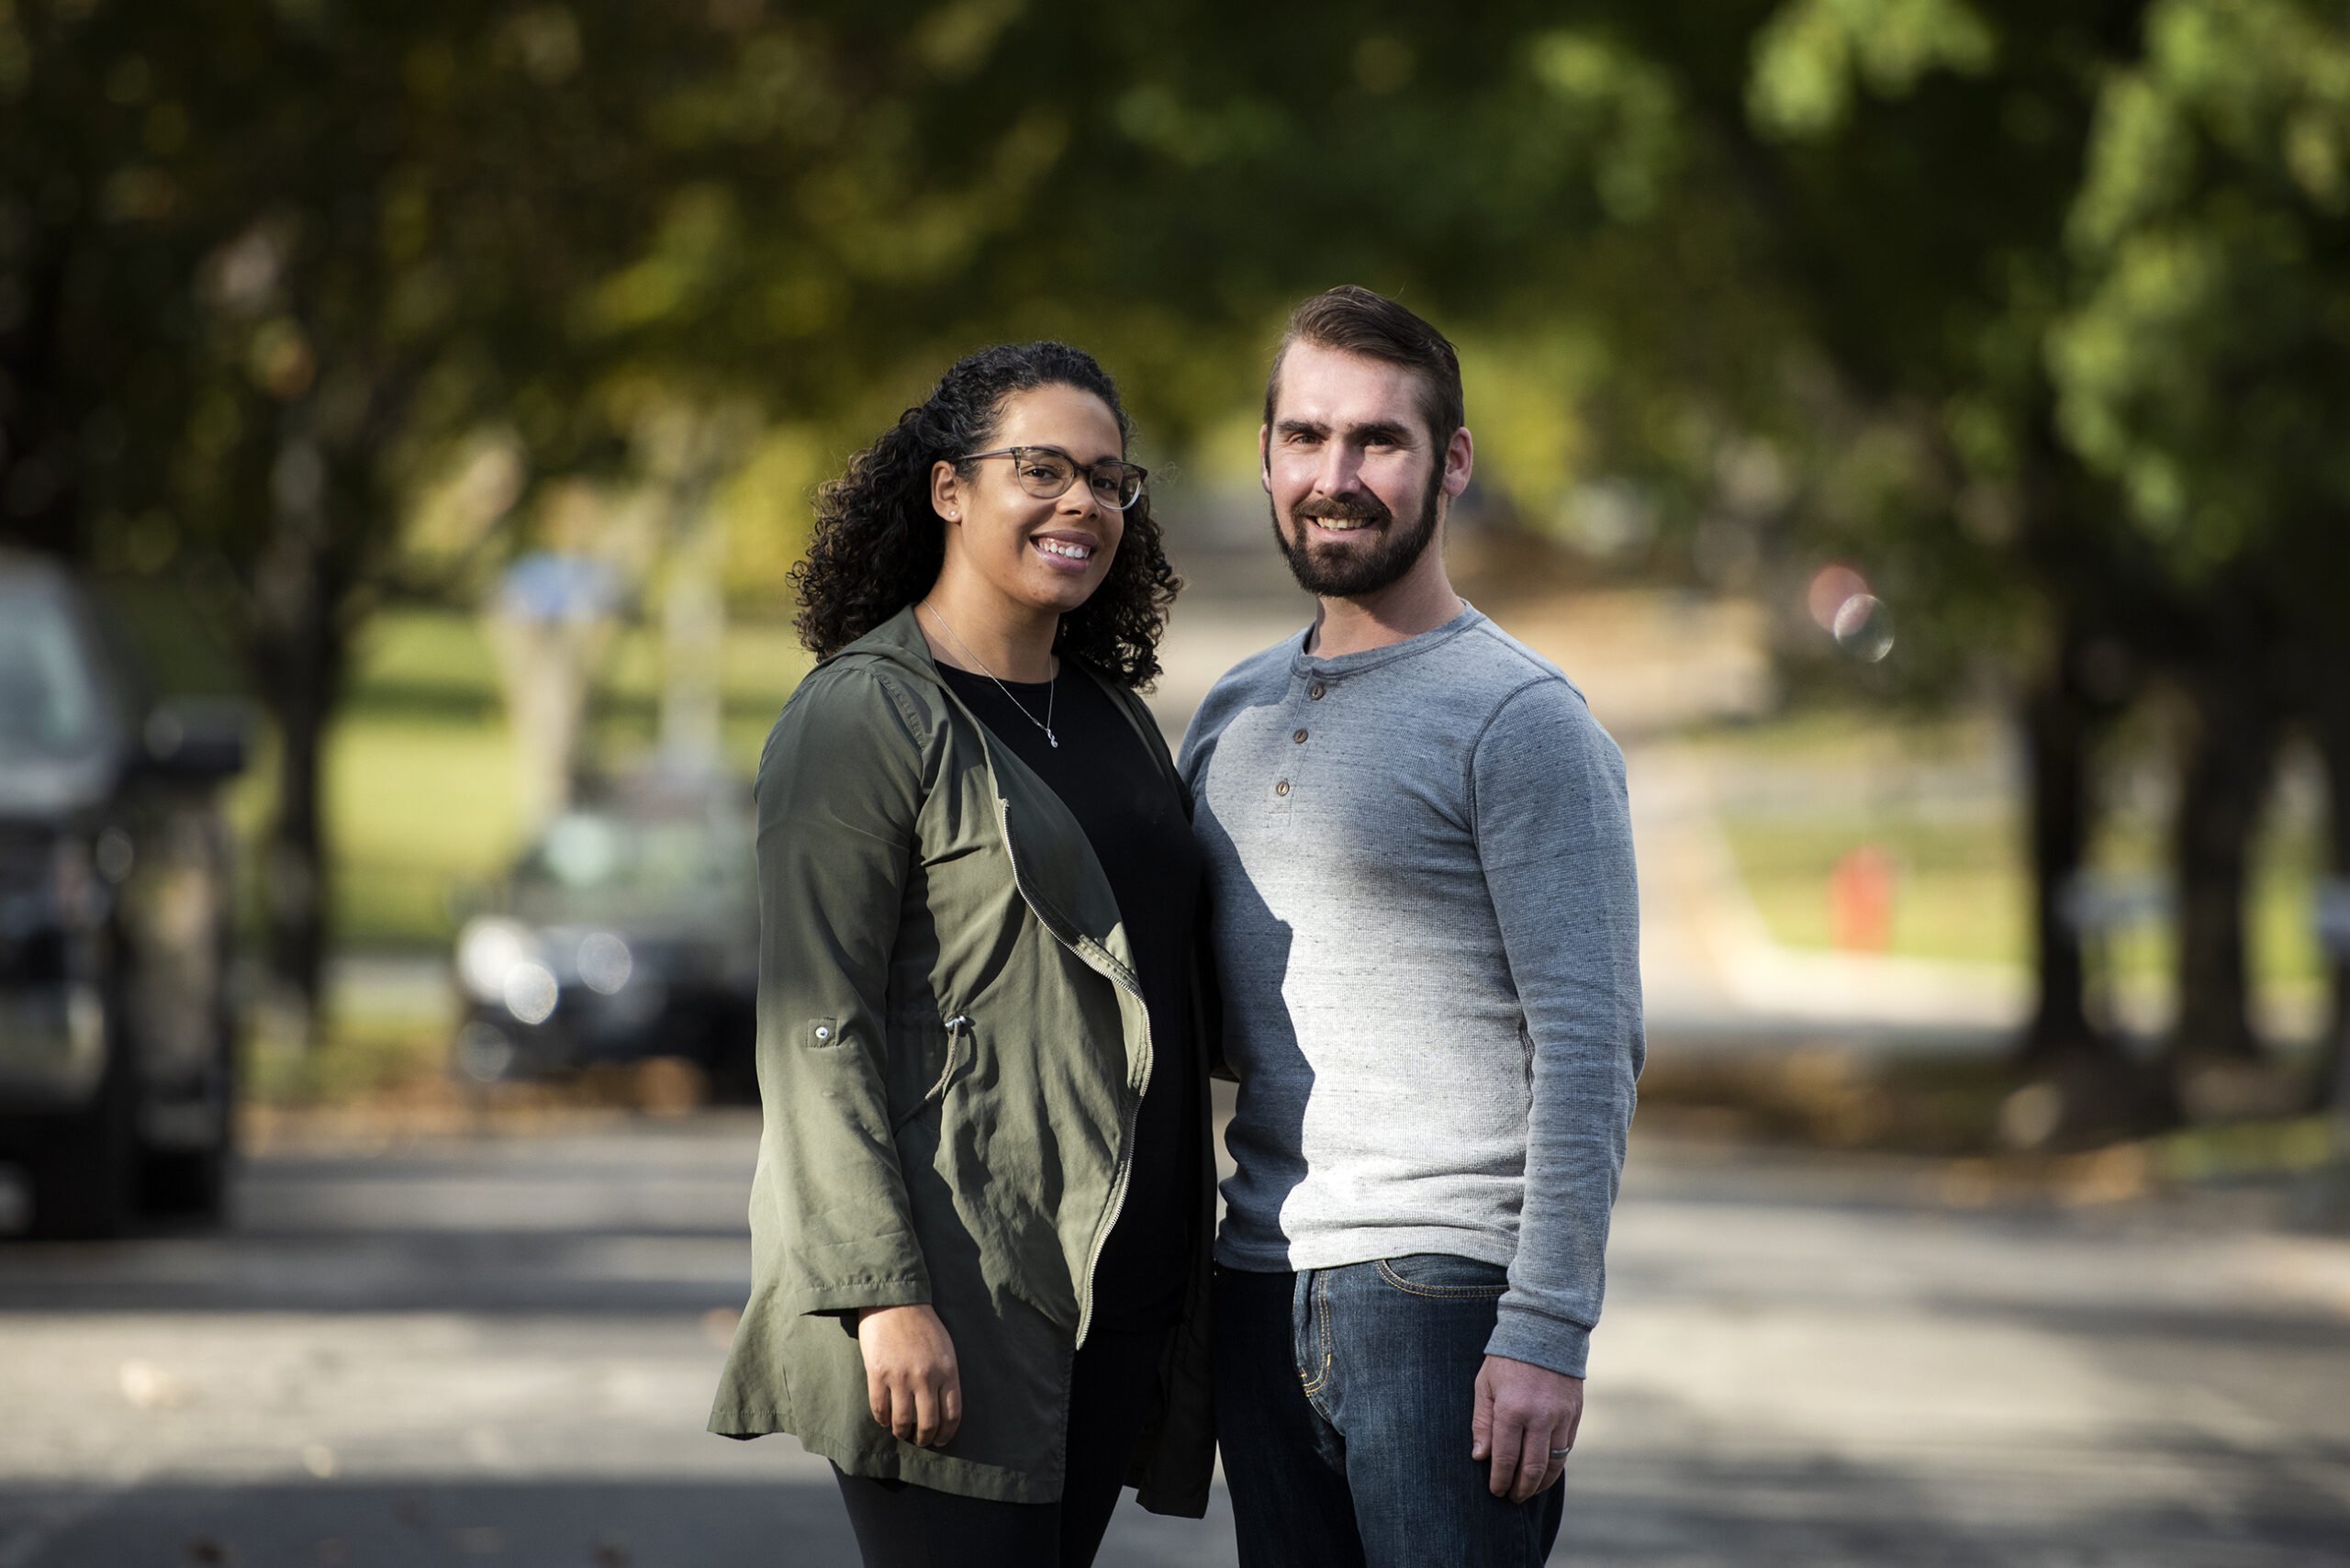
(911, 1379)
(1524, 1412)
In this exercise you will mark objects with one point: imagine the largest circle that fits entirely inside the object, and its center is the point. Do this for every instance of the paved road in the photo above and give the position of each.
(498, 1350)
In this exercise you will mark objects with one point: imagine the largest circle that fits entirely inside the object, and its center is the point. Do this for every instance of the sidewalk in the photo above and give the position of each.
(501, 1350)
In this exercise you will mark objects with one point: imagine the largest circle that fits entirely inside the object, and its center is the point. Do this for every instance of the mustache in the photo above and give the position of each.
(1344, 509)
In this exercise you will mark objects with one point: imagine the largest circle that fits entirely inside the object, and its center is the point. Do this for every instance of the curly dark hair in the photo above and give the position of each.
(879, 545)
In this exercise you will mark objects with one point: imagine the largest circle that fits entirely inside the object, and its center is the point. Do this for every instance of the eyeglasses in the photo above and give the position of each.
(1047, 474)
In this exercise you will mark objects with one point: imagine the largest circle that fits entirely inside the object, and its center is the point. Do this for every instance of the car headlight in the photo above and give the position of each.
(605, 962)
(531, 992)
(490, 949)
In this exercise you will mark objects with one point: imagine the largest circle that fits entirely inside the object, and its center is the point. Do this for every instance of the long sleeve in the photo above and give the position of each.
(1554, 839)
(840, 790)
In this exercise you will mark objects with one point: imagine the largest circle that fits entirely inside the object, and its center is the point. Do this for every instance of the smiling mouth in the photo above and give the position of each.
(1065, 549)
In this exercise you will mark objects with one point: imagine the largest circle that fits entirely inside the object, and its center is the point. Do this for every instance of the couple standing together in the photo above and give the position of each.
(1005, 939)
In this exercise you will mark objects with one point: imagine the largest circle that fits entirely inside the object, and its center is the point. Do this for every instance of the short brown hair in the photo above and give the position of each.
(1351, 320)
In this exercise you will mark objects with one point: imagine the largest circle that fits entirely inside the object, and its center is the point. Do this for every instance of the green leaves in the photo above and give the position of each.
(688, 258)
(16, 53)
(1628, 107)
(957, 39)
(2205, 365)
(1812, 55)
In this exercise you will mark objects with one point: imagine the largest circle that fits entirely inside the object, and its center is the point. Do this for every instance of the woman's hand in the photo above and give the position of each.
(911, 1379)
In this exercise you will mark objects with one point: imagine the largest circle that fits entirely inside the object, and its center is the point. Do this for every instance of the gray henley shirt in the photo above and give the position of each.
(1427, 926)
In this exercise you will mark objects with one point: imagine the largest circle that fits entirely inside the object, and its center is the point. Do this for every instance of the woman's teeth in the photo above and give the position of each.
(1066, 551)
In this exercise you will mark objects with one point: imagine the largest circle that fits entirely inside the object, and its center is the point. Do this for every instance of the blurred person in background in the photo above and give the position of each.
(1426, 931)
(981, 1216)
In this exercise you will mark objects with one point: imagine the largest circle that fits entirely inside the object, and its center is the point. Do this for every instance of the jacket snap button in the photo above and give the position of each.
(1299, 737)
(823, 1033)
(1281, 788)
(1314, 692)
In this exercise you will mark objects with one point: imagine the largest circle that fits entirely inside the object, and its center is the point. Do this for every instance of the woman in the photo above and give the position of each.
(979, 1223)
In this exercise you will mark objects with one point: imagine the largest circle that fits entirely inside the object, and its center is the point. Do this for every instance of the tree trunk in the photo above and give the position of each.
(2056, 723)
(297, 649)
(2228, 766)
(40, 498)
(295, 861)
(2330, 1087)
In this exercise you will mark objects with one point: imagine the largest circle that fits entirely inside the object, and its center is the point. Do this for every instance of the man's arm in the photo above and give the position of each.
(1554, 839)
(1525, 1423)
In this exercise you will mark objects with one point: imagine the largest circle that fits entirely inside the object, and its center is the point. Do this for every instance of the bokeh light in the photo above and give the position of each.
(1834, 584)
(1863, 627)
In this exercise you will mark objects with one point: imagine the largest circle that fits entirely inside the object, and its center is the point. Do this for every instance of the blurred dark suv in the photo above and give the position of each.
(630, 930)
(116, 1025)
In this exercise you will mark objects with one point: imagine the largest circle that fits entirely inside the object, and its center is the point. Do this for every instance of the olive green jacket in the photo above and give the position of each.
(952, 1047)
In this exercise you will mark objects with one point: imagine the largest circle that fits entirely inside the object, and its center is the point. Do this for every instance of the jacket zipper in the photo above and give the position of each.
(1130, 1104)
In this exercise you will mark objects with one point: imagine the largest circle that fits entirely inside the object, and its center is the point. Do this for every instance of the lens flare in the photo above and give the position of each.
(1834, 584)
(1863, 627)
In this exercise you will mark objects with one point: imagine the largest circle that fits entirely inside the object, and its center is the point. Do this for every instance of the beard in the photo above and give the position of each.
(1376, 555)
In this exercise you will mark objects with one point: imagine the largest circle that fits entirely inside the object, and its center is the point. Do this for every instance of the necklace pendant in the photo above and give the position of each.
(1054, 738)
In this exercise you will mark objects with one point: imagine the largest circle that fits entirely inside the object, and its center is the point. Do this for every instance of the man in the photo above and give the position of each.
(1428, 928)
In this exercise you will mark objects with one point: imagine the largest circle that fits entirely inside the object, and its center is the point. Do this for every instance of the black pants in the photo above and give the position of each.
(1112, 1388)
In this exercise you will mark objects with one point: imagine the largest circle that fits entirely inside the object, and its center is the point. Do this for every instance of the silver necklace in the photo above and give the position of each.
(1052, 687)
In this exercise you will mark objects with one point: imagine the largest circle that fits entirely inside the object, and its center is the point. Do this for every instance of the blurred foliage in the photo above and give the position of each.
(456, 254)
(2033, 311)
(2206, 365)
(1811, 57)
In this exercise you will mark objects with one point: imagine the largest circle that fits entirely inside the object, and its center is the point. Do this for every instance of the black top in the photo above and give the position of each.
(1105, 775)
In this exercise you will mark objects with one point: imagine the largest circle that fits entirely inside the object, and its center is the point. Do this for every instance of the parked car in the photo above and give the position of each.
(630, 930)
(115, 1023)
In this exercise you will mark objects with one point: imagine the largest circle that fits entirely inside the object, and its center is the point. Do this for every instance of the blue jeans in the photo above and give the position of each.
(1343, 1402)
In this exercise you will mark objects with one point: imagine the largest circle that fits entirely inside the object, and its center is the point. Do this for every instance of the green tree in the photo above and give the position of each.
(1911, 165)
(2205, 367)
(263, 261)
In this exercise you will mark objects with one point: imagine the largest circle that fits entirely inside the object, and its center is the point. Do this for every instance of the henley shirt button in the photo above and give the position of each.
(1314, 692)
(1299, 737)
(1281, 788)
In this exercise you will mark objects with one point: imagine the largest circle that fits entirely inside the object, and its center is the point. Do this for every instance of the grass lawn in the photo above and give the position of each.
(1959, 889)
(1936, 795)
(420, 796)
(420, 810)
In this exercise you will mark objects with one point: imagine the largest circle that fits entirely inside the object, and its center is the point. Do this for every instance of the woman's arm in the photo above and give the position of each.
(911, 1380)
(840, 790)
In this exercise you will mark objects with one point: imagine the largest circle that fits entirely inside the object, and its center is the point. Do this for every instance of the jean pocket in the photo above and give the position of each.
(1444, 1276)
